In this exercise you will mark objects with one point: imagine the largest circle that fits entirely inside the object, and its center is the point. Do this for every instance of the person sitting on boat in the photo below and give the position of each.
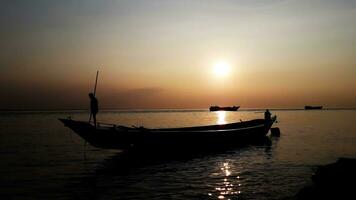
(267, 116)
(94, 108)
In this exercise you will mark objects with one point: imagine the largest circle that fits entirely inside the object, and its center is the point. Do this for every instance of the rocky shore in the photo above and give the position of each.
(332, 181)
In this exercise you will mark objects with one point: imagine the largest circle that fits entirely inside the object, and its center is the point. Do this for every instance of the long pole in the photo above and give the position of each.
(96, 82)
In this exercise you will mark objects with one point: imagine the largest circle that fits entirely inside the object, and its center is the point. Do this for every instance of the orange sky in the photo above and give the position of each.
(162, 54)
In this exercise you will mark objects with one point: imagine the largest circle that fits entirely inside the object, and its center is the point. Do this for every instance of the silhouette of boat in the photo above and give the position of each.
(218, 108)
(111, 136)
(313, 107)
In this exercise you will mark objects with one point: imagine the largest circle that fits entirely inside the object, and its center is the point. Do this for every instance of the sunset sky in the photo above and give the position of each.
(178, 54)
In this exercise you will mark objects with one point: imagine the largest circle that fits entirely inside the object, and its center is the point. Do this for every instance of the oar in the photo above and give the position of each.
(96, 81)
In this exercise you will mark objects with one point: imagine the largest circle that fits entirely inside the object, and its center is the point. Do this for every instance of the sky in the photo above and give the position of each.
(166, 54)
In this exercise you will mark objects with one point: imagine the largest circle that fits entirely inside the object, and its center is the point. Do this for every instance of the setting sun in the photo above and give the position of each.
(221, 68)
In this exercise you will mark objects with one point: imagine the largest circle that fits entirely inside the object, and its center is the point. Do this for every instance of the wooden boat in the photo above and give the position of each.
(111, 136)
(313, 107)
(218, 108)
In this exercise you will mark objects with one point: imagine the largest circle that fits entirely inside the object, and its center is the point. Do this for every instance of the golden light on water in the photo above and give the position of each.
(226, 169)
(221, 115)
(227, 188)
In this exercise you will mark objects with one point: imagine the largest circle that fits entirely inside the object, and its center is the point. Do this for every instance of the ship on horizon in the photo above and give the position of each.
(218, 108)
(313, 107)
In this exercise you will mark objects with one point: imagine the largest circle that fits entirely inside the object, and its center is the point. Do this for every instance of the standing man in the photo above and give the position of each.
(94, 108)
(267, 116)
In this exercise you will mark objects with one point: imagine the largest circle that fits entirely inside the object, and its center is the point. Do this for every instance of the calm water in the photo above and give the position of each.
(41, 159)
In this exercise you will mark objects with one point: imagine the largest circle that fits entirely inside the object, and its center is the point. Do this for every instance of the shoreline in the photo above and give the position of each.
(331, 181)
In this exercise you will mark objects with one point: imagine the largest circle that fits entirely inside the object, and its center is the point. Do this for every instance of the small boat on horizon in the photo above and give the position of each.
(313, 107)
(218, 108)
(111, 136)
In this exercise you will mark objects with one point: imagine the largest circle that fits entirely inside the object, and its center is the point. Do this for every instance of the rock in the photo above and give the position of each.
(275, 132)
(332, 181)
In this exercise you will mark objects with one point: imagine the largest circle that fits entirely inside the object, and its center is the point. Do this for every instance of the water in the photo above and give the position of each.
(42, 159)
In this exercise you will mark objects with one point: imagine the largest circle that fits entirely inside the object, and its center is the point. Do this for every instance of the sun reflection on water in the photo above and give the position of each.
(229, 187)
(221, 115)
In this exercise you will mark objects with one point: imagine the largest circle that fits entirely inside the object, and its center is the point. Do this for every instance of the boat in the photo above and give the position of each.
(313, 107)
(111, 136)
(218, 108)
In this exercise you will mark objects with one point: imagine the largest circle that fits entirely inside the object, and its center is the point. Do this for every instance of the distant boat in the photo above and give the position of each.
(109, 136)
(218, 108)
(313, 107)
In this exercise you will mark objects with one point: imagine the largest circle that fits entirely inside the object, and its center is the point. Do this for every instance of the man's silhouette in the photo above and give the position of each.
(94, 108)
(267, 116)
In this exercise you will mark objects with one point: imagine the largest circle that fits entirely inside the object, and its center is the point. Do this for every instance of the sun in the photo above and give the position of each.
(221, 68)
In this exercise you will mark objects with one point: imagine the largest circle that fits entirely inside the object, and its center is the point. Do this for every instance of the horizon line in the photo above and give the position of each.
(162, 109)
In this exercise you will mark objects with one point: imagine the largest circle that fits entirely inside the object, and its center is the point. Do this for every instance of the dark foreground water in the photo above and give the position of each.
(42, 159)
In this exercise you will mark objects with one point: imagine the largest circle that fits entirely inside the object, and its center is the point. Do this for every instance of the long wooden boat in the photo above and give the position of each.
(218, 108)
(121, 137)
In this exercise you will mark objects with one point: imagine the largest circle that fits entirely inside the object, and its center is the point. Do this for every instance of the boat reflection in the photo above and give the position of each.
(131, 174)
(221, 115)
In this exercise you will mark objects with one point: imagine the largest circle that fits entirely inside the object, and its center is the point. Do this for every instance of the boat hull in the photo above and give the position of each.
(120, 137)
